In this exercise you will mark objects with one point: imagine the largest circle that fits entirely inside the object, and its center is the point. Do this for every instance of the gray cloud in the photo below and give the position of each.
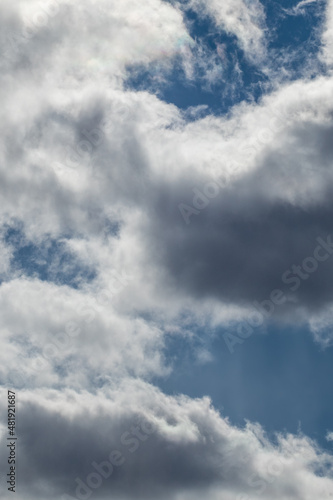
(166, 447)
(105, 169)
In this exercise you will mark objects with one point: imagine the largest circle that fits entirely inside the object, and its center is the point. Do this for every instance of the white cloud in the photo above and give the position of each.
(104, 169)
(328, 35)
(245, 20)
(149, 154)
(47, 326)
(94, 42)
(300, 8)
(321, 326)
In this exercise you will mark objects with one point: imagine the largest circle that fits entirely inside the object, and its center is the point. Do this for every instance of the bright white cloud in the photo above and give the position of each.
(94, 42)
(47, 326)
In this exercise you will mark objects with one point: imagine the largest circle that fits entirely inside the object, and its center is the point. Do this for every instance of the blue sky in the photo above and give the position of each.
(47, 261)
(165, 165)
(280, 379)
(293, 43)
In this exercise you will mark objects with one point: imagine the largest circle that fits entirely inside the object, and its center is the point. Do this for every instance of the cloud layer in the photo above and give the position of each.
(157, 446)
(170, 218)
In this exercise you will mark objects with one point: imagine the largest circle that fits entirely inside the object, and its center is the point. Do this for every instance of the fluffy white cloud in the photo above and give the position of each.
(69, 45)
(47, 327)
(96, 158)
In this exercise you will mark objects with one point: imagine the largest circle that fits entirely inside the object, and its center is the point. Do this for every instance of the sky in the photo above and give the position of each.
(166, 246)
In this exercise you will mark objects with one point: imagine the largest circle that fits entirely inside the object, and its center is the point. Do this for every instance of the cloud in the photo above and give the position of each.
(104, 171)
(328, 35)
(97, 41)
(170, 447)
(50, 333)
(92, 151)
(273, 162)
(242, 19)
(300, 7)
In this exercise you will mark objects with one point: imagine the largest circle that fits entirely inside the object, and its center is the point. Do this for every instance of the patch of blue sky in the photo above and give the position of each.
(281, 379)
(48, 260)
(294, 36)
(293, 45)
(290, 23)
(234, 80)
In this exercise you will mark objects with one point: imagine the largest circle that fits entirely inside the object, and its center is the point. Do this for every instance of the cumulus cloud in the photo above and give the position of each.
(48, 327)
(66, 44)
(180, 217)
(231, 245)
(97, 157)
(188, 449)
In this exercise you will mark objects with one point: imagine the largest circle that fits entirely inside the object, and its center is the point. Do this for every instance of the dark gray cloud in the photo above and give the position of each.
(158, 446)
(240, 244)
